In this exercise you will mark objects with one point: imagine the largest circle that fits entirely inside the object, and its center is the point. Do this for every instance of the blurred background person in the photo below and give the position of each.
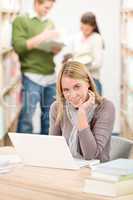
(87, 47)
(37, 66)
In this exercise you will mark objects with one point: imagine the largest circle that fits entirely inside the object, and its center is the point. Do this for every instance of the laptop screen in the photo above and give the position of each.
(43, 150)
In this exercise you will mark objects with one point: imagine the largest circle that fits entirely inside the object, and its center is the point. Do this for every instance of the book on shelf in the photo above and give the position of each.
(128, 4)
(11, 68)
(10, 5)
(108, 188)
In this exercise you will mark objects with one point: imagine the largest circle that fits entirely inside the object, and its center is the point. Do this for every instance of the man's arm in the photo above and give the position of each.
(20, 40)
(19, 36)
(42, 37)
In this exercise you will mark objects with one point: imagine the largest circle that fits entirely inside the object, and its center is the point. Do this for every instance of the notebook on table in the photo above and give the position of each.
(46, 151)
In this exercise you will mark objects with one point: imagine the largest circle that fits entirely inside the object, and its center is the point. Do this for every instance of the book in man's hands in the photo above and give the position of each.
(50, 44)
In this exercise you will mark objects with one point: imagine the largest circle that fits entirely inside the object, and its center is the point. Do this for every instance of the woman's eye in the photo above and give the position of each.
(65, 90)
(77, 87)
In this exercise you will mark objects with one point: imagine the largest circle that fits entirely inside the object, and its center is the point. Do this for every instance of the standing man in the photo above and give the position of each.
(37, 67)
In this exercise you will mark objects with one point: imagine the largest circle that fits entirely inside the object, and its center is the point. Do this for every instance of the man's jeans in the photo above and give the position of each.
(33, 93)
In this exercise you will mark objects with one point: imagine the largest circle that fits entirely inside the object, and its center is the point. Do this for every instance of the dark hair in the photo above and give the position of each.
(42, 1)
(90, 19)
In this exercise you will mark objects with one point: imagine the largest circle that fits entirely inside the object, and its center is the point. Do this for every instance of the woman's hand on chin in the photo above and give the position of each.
(89, 102)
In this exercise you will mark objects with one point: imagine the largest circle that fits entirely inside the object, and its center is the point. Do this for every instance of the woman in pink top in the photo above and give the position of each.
(81, 115)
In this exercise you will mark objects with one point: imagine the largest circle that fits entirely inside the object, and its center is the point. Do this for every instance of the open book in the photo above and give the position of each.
(50, 44)
(83, 58)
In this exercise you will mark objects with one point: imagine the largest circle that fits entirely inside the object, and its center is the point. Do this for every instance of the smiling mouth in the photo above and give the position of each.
(76, 102)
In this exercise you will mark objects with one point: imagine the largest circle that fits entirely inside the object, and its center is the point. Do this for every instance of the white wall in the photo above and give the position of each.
(66, 14)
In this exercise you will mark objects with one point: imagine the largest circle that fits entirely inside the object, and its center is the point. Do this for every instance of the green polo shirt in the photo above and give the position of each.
(35, 60)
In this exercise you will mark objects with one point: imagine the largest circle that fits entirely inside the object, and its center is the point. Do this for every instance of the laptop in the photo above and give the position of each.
(46, 151)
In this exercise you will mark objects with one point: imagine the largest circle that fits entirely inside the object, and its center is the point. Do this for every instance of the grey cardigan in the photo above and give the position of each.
(94, 141)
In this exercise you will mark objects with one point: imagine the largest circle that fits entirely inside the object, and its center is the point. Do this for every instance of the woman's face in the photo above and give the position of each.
(86, 29)
(75, 91)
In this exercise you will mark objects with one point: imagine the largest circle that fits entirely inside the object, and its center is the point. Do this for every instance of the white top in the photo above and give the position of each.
(86, 50)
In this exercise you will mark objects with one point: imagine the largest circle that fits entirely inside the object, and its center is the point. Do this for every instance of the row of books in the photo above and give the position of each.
(8, 12)
(129, 113)
(10, 88)
(128, 4)
(129, 62)
(126, 32)
(129, 108)
(12, 105)
(5, 31)
(113, 178)
(11, 68)
(10, 5)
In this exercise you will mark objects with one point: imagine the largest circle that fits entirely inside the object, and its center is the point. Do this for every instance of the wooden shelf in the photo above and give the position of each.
(127, 130)
(10, 82)
(8, 11)
(4, 51)
(127, 12)
(126, 51)
(8, 89)
(128, 89)
(14, 119)
(10, 128)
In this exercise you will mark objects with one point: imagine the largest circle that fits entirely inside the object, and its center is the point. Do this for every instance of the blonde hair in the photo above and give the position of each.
(74, 70)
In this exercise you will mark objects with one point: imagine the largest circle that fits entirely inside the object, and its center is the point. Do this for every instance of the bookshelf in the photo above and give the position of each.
(10, 84)
(127, 68)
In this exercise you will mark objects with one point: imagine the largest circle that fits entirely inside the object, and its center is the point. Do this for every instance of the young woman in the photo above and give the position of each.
(81, 115)
(87, 47)
(94, 41)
